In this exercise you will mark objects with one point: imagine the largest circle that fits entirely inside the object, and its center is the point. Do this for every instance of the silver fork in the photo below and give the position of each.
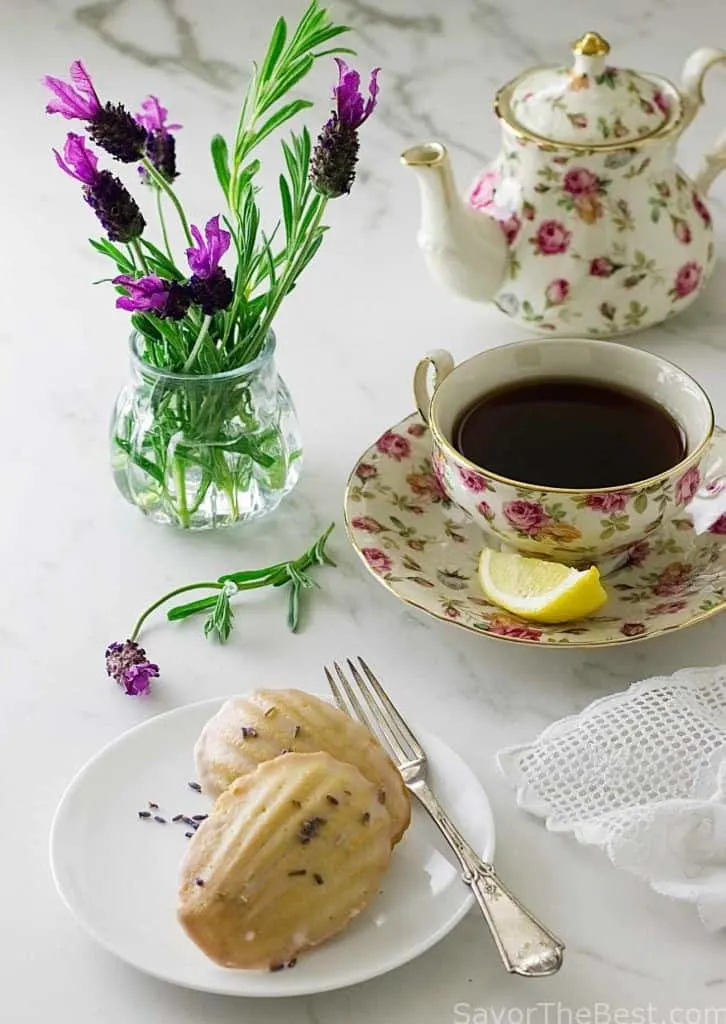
(525, 945)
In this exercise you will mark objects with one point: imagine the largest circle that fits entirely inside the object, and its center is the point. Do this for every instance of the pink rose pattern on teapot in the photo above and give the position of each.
(565, 273)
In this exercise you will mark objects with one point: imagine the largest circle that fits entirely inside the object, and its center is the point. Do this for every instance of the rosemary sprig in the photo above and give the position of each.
(220, 616)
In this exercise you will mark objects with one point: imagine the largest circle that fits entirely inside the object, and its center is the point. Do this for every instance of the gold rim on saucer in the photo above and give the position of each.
(424, 551)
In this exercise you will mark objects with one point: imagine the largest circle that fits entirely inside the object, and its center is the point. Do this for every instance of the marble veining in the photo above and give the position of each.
(99, 17)
(77, 564)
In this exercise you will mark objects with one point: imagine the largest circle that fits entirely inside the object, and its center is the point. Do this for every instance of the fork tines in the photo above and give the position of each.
(382, 718)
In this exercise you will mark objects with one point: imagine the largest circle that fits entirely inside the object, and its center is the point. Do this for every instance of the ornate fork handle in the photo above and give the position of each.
(525, 945)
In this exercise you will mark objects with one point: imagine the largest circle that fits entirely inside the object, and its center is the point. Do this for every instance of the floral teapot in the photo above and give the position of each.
(583, 224)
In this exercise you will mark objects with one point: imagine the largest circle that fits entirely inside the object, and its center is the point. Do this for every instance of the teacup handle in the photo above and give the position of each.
(442, 363)
(708, 505)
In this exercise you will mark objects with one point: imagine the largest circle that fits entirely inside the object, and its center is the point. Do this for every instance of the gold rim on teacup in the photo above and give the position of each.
(442, 364)
(574, 525)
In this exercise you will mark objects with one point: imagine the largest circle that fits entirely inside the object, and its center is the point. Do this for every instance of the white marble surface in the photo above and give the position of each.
(77, 563)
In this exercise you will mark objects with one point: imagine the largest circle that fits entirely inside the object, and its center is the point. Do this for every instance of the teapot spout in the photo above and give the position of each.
(465, 249)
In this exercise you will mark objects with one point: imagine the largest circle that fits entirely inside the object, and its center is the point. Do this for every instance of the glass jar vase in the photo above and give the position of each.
(203, 451)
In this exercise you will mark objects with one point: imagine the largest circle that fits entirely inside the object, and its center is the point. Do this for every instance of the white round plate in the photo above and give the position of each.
(118, 874)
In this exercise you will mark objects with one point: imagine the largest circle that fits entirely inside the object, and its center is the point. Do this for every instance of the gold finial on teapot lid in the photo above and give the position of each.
(591, 45)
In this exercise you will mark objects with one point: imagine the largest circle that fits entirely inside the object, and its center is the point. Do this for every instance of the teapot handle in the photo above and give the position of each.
(694, 72)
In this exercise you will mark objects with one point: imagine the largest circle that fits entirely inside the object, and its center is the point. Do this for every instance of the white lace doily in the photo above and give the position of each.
(641, 774)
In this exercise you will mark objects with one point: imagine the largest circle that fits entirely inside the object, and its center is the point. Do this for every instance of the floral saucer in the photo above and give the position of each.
(425, 550)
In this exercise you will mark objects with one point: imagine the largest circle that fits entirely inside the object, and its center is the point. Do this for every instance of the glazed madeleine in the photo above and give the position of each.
(290, 854)
(247, 731)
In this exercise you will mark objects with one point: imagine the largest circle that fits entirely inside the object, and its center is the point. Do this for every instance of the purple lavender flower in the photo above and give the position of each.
(205, 256)
(115, 207)
(127, 663)
(160, 144)
(168, 299)
(80, 102)
(209, 285)
(108, 197)
(332, 167)
(111, 126)
(78, 161)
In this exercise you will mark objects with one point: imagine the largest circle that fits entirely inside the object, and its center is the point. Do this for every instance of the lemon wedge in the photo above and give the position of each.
(538, 590)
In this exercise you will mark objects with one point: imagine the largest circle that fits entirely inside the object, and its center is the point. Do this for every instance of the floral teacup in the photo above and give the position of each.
(577, 527)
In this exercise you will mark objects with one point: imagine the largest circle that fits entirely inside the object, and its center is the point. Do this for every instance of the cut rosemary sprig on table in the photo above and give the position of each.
(127, 662)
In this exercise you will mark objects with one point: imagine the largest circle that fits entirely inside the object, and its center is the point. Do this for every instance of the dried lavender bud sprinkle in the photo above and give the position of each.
(158, 817)
(248, 732)
(277, 967)
(153, 806)
(297, 731)
(297, 872)
(178, 817)
(199, 817)
(318, 879)
(188, 835)
(291, 963)
(195, 786)
(199, 881)
(144, 814)
(365, 817)
(332, 800)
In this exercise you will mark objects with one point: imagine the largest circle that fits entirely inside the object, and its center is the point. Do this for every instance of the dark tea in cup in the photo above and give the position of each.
(565, 432)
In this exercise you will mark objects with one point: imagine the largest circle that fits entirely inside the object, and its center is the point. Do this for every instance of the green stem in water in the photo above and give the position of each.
(172, 593)
(181, 492)
(197, 344)
(162, 223)
(162, 183)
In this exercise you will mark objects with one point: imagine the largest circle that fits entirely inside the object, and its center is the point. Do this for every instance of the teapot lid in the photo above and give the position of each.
(589, 103)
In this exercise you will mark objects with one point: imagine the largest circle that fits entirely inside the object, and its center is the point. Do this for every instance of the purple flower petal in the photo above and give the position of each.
(373, 89)
(127, 663)
(152, 116)
(78, 100)
(352, 109)
(204, 257)
(146, 294)
(78, 161)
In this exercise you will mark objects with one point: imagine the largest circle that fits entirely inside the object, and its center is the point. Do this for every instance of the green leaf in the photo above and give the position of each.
(280, 116)
(293, 608)
(296, 71)
(183, 611)
(122, 261)
(336, 50)
(141, 461)
(318, 38)
(274, 50)
(160, 262)
(318, 552)
(287, 214)
(641, 502)
(219, 621)
(299, 577)
(220, 159)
